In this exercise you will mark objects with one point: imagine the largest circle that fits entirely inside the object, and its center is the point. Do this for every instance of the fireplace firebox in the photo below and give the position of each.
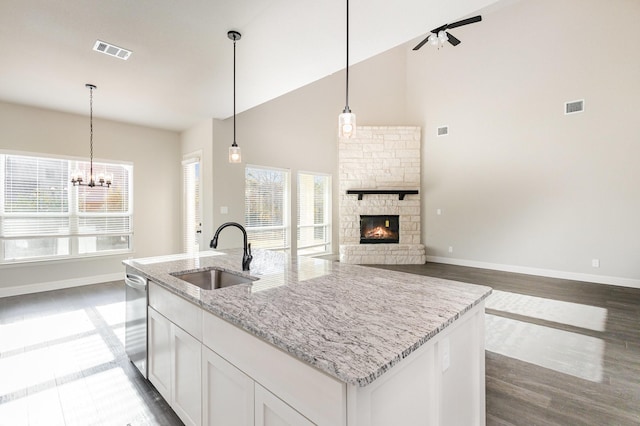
(379, 229)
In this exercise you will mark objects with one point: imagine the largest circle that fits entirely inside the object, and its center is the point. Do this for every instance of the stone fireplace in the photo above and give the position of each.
(379, 173)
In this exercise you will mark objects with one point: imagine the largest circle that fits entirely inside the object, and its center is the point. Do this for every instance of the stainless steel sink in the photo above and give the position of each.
(212, 279)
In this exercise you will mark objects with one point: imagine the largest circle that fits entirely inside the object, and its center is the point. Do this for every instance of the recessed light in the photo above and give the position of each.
(111, 50)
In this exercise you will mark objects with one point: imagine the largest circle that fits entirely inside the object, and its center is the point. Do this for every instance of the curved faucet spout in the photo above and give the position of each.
(246, 257)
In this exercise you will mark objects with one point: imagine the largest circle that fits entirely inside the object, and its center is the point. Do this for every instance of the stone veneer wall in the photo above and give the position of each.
(380, 158)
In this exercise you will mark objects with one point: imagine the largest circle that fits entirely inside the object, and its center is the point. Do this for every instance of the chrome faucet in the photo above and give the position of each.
(246, 257)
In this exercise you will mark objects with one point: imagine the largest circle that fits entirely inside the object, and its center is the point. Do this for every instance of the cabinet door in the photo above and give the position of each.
(272, 411)
(160, 353)
(186, 376)
(227, 393)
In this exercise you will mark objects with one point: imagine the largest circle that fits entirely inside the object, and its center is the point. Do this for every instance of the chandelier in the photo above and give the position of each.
(77, 178)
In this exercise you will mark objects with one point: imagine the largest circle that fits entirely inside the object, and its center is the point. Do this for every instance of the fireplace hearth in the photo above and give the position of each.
(379, 229)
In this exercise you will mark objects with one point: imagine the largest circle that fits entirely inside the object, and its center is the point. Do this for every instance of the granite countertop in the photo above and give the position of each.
(352, 322)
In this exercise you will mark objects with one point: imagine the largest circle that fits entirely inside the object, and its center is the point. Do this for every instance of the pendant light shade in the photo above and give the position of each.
(347, 124)
(235, 156)
(347, 120)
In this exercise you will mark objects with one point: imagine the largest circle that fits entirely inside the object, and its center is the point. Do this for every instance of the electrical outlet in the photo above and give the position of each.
(595, 263)
(439, 212)
(450, 249)
(224, 210)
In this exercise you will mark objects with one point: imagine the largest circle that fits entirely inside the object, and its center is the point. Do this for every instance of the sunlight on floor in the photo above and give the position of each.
(575, 314)
(37, 331)
(563, 351)
(62, 369)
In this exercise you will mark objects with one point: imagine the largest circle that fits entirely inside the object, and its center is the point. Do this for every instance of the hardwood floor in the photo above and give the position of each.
(558, 353)
(62, 362)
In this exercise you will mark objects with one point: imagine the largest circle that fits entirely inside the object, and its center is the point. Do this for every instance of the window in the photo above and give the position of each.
(267, 207)
(192, 219)
(43, 216)
(314, 214)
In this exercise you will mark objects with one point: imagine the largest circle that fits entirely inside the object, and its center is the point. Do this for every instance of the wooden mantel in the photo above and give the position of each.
(400, 192)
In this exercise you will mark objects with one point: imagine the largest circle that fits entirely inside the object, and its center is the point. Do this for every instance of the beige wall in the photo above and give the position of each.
(199, 139)
(519, 184)
(298, 131)
(155, 155)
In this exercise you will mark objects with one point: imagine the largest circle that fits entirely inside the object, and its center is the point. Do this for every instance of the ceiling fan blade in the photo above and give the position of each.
(437, 30)
(465, 22)
(422, 43)
(452, 39)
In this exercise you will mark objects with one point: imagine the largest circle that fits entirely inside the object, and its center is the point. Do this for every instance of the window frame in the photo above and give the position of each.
(327, 222)
(74, 214)
(192, 241)
(286, 211)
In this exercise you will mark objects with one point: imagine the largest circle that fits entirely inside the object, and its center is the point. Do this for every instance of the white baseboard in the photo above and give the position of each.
(576, 276)
(57, 285)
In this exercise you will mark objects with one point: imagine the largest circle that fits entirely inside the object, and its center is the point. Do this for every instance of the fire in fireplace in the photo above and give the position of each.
(379, 229)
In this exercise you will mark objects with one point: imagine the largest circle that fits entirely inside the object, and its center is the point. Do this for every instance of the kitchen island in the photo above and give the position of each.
(315, 342)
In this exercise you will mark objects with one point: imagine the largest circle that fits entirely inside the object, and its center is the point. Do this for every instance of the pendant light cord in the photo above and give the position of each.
(346, 108)
(234, 91)
(91, 133)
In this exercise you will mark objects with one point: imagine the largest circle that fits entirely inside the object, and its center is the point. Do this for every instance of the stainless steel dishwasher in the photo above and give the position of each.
(135, 338)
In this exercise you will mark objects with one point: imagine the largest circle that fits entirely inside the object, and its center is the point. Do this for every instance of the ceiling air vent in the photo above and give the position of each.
(443, 131)
(574, 106)
(112, 50)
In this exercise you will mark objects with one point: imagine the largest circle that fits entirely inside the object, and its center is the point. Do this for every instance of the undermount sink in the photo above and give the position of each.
(212, 279)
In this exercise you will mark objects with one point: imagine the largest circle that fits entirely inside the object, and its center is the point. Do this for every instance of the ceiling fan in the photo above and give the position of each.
(440, 34)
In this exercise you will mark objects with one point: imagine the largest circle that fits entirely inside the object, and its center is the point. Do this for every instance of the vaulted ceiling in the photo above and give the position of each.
(181, 69)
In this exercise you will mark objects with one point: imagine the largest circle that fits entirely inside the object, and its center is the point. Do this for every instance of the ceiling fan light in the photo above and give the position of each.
(433, 39)
(442, 36)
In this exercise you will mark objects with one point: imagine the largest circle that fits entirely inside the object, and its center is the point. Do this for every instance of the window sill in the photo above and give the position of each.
(49, 260)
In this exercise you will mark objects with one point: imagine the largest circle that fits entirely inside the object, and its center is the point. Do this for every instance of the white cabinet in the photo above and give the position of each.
(318, 396)
(214, 373)
(272, 411)
(175, 355)
(160, 353)
(227, 393)
(186, 377)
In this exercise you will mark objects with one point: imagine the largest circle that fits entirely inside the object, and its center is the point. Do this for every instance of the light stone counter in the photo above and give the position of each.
(352, 322)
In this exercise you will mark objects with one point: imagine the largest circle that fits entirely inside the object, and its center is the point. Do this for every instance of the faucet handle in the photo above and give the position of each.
(249, 249)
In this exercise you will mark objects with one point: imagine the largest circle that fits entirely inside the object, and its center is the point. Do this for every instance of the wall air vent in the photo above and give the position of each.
(443, 130)
(111, 50)
(574, 106)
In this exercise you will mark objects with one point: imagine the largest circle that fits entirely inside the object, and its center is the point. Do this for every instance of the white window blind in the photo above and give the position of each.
(314, 213)
(267, 207)
(192, 219)
(43, 216)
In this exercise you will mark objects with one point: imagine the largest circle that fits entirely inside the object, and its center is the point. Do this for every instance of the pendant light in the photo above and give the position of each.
(347, 120)
(235, 155)
(77, 178)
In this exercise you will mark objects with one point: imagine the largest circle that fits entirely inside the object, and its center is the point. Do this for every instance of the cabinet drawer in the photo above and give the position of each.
(318, 396)
(179, 311)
